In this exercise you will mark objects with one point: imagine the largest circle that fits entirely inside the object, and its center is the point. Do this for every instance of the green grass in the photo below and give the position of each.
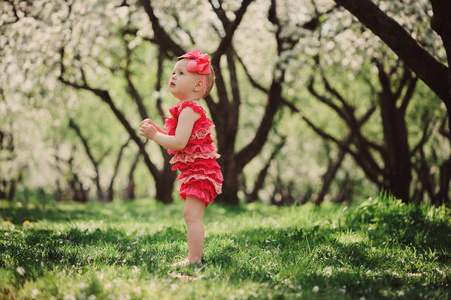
(381, 249)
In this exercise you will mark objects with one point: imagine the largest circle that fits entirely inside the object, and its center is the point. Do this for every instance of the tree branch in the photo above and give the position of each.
(254, 83)
(230, 31)
(94, 162)
(325, 100)
(217, 8)
(362, 156)
(253, 196)
(409, 93)
(116, 169)
(443, 132)
(419, 60)
(161, 37)
(274, 99)
(384, 78)
(404, 80)
(131, 87)
(332, 169)
(348, 109)
(425, 136)
(105, 97)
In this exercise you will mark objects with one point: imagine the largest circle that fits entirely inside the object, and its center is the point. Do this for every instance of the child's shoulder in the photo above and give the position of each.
(196, 107)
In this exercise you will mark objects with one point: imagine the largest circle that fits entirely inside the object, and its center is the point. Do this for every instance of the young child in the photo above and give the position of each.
(187, 135)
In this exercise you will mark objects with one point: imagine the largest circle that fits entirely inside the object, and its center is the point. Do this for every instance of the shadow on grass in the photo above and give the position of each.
(426, 228)
(310, 250)
(60, 212)
(39, 249)
(309, 256)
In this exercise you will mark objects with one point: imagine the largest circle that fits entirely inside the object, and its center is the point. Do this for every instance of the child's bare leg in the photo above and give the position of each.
(193, 213)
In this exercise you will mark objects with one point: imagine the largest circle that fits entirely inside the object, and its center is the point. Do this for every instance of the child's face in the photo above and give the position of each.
(182, 83)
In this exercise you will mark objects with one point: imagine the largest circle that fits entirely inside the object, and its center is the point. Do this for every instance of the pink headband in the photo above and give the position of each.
(199, 63)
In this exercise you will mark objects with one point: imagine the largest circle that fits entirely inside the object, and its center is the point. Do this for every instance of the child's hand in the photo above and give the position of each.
(147, 121)
(147, 130)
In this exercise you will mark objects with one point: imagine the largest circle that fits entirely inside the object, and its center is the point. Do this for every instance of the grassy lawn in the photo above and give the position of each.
(123, 250)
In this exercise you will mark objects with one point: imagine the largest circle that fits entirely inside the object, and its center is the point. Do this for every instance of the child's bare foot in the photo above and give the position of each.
(182, 263)
(185, 263)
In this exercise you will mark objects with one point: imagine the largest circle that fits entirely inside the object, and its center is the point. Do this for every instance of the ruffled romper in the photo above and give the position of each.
(200, 174)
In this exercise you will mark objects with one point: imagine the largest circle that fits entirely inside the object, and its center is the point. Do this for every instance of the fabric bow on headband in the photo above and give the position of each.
(199, 63)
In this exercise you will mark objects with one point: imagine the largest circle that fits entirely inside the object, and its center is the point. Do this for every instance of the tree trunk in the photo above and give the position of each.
(253, 196)
(397, 156)
(397, 161)
(444, 183)
(441, 23)
(129, 191)
(230, 173)
(95, 163)
(332, 170)
(165, 184)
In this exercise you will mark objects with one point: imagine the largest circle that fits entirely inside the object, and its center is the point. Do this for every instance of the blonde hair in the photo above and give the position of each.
(210, 81)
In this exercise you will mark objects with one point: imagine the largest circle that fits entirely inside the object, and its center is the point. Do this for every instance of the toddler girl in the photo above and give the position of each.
(187, 135)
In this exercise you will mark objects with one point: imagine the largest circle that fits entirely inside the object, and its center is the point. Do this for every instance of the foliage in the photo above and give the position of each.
(417, 226)
(97, 35)
(382, 249)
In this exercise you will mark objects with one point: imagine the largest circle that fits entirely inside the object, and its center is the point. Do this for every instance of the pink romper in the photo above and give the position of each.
(200, 175)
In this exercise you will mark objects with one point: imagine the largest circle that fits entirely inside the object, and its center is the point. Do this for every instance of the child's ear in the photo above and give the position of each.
(199, 86)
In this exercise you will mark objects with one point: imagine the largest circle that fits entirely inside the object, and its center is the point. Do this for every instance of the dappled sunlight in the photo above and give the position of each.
(350, 237)
(258, 251)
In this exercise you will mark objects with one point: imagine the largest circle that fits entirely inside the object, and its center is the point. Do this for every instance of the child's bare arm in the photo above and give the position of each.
(176, 142)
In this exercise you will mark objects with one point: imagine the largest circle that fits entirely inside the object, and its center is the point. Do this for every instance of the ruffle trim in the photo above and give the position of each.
(213, 174)
(190, 149)
(202, 179)
(200, 133)
(205, 197)
(191, 157)
(194, 106)
(199, 189)
(210, 164)
(206, 140)
(199, 148)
